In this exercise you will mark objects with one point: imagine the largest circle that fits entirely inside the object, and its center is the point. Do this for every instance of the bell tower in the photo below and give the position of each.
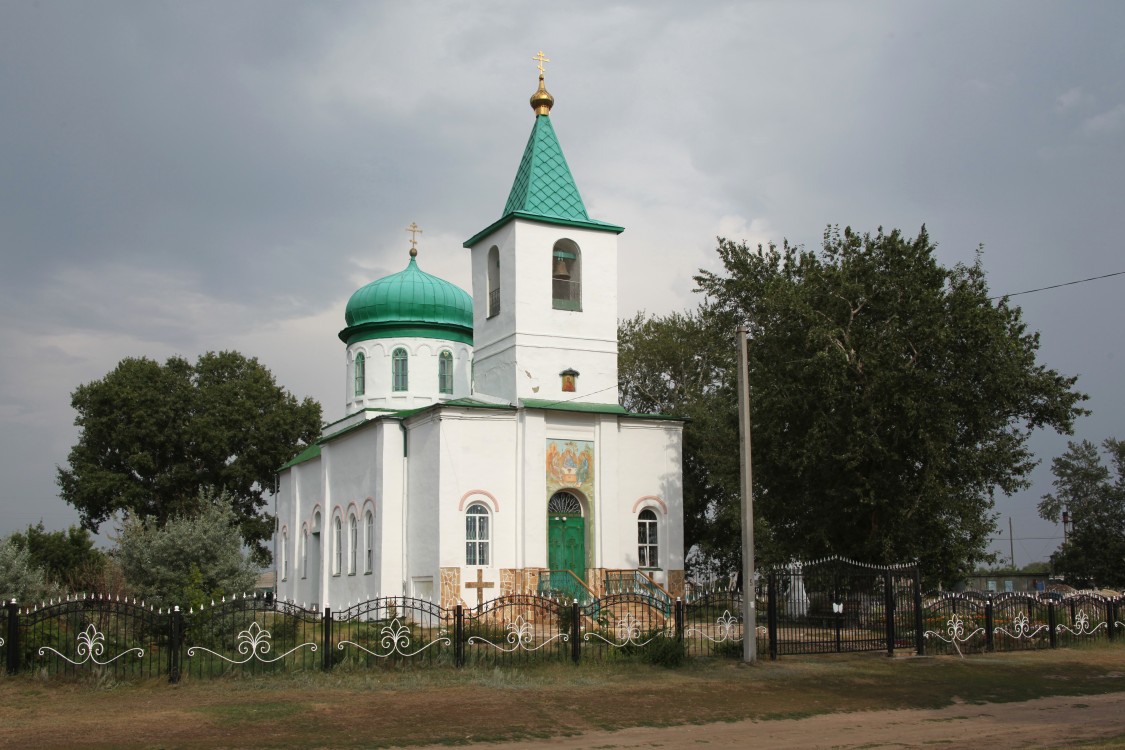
(545, 284)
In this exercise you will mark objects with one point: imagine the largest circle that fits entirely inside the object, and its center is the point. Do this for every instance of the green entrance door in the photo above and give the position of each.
(566, 544)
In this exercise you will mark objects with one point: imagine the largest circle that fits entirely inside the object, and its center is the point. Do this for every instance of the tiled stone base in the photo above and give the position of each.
(450, 587)
(676, 583)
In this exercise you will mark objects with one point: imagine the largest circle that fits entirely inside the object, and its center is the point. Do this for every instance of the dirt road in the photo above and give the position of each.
(1042, 723)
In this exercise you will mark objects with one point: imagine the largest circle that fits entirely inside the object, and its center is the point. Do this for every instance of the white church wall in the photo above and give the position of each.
(532, 479)
(657, 446)
(422, 520)
(480, 469)
(390, 513)
(351, 475)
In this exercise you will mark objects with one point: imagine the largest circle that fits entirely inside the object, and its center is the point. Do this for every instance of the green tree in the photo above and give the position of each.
(188, 559)
(20, 578)
(1094, 496)
(69, 557)
(890, 396)
(152, 435)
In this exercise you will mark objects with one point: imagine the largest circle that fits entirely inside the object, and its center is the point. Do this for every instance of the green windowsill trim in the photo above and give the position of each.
(599, 226)
(566, 304)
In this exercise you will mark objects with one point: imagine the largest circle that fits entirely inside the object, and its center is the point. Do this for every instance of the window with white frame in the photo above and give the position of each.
(647, 548)
(445, 372)
(284, 555)
(476, 535)
(360, 374)
(400, 375)
(337, 546)
(368, 542)
(353, 543)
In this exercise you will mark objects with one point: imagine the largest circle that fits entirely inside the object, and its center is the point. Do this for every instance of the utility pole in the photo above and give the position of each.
(749, 608)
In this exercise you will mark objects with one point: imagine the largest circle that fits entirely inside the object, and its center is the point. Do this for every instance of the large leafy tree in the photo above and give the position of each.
(891, 399)
(1094, 496)
(153, 435)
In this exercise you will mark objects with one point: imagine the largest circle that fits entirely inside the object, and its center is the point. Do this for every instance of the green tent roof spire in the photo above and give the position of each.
(543, 184)
(544, 190)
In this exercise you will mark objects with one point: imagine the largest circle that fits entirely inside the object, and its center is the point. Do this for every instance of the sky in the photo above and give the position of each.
(177, 178)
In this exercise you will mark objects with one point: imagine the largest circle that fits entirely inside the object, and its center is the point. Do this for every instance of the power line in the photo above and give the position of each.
(1056, 286)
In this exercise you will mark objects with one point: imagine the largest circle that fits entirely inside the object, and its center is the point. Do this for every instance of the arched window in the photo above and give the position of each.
(566, 276)
(476, 535)
(445, 372)
(369, 542)
(284, 555)
(647, 549)
(399, 375)
(353, 543)
(360, 377)
(305, 553)
(493, 281)
(337, 547)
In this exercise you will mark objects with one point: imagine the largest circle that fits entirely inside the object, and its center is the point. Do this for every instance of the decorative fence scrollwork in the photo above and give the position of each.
(828, 606)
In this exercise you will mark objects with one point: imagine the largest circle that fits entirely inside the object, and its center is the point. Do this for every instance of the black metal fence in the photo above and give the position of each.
(828, 606)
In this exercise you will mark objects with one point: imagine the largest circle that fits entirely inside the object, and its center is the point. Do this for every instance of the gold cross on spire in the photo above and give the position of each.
(541, 58)
(414, 232)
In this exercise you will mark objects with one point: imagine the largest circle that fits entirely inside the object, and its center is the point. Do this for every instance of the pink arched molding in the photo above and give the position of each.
(472, 493)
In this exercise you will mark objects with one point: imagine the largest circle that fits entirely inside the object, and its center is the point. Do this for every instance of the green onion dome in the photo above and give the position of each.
(410, 303)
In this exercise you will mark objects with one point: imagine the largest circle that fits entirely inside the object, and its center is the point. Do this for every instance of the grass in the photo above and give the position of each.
(385, 708)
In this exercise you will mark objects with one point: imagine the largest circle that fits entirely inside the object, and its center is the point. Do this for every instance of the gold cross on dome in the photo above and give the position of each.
(541, 58)
(414, 232)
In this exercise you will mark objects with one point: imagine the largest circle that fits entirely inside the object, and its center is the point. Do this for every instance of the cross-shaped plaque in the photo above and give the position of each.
(480, 586)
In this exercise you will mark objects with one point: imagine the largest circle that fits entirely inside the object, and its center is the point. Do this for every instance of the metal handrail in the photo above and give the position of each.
(549, 579)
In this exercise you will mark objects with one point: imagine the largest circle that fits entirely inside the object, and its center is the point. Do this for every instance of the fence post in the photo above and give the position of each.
(771, 614)
(327, 660)
(1110, 611)
(1051, 619)
(680, 619)
(988, 642)
(459, 635)
(575, 652)
(13, 637)
(919, 633)
(175, 644)
(889, 610)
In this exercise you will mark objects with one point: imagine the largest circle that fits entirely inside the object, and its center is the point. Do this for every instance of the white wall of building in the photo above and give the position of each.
(422, 369)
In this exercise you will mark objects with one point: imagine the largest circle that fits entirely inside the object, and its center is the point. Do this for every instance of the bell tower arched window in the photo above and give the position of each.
(566, 276)
(360, 378)
(493, 281)
(399, 373)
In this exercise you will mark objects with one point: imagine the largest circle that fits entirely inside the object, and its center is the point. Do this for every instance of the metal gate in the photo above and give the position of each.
(837, 605)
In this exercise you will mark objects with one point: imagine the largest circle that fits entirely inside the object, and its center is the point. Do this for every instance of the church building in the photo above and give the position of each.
(484, 451)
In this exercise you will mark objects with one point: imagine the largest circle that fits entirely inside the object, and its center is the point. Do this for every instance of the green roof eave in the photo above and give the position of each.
(309, 453)
(388, 330)
(617, 409)
(598, 226)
